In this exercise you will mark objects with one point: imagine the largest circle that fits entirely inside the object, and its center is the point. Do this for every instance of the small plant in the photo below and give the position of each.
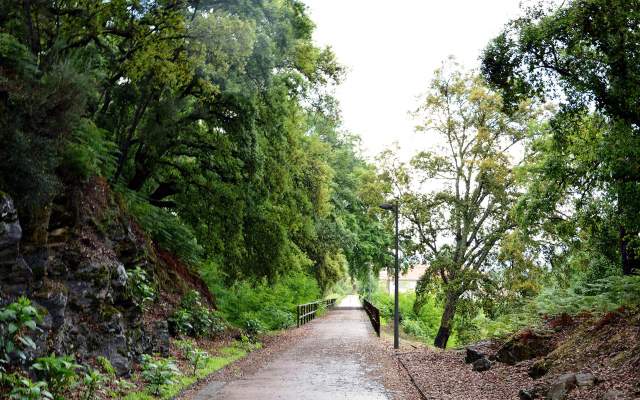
(181, 322)
(247, 344)
(194, 318)
(24, 389)
(123, 386)
(17, 320)
(139, 289)
(253, 327)
(106, 366)
(195, 355)
(158, 372)
(59, 372)
(92, 382)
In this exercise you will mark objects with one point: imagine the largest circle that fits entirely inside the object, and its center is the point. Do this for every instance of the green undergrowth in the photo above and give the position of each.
(259, 306)
(210, 365)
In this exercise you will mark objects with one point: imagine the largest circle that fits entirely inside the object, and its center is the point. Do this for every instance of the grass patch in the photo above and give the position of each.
(211, 365)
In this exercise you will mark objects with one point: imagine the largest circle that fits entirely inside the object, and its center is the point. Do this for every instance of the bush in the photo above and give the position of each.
(253, 326)
(139, 288)
(196, 356)
(92, 382)
(260, 305)
(193, 318)
(158, 373)
(24, 389)
(59, 372)
(17, 320)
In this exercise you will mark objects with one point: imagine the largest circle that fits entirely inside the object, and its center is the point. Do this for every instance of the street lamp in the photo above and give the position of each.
(396, 314)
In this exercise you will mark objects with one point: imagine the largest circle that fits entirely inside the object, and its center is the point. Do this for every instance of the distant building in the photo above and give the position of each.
(407, 281)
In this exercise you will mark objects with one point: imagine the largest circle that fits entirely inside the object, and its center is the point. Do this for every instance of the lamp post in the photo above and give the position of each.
(396, 313)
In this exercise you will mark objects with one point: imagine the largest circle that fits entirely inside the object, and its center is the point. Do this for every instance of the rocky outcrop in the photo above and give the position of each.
(80, 277)
(524, 346)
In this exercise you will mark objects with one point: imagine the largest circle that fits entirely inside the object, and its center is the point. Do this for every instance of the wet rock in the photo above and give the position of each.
(524, 346)
(473, 354)
(120, 280)
(561, 387)
(161, 338)
(10, 230)
(539, 368)
(54, 299)
(481, 365)
(116, 351)
(585, 379)
(614, 394)
(529, 394)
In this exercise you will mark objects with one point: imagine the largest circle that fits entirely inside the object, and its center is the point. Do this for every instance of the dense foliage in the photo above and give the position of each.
(214, 121)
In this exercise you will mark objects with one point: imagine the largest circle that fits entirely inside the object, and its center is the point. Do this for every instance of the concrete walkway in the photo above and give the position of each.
(327, 364)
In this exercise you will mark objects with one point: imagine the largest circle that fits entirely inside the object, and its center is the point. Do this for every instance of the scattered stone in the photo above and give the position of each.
(473, 354)
(585, 379)
(528, 394)
(561, 387)
(614, 394)
(539, 368)
(481, 365)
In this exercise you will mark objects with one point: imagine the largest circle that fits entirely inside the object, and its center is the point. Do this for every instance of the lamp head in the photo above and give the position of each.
(388, 206)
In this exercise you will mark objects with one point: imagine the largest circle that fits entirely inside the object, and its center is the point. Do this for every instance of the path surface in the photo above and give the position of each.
(329, 363)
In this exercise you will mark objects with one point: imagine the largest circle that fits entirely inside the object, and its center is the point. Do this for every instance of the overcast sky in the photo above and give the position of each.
(391, 48)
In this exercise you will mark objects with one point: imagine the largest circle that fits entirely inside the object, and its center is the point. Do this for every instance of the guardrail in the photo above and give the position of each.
(307, 312)
(374, 315)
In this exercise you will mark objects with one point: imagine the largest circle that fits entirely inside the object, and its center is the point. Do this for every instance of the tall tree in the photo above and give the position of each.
(586, 54)
(456, 199)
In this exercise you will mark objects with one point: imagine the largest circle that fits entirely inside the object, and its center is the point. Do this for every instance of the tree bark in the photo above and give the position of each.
(629, 258)
(447, 321)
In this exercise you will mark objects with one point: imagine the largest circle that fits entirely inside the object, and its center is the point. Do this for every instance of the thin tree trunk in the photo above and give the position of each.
(447, 321)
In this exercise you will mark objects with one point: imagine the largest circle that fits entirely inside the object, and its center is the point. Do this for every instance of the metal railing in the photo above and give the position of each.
(374, 315)
(307, 312)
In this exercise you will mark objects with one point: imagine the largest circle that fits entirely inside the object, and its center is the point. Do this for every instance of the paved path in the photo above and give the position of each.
(327, 364)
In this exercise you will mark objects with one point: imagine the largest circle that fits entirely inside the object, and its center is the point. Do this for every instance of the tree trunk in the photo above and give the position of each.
(447, 321)
(630, 260)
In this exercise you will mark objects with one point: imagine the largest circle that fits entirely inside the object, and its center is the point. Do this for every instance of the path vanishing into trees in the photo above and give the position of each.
(331, 362)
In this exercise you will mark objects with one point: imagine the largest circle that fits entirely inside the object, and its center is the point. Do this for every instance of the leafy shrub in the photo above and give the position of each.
(181, 322)
(195, 355)
(16, 321)
(59, 372)
(139, 288)
(413, 327)
(277, 319)
(24, 389)
(158, 373)
(123, 386)
(253, 326)
(92, 382)
(271, 305)
(194, 318)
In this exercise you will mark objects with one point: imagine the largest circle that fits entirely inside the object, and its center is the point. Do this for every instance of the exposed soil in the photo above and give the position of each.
(608, 346)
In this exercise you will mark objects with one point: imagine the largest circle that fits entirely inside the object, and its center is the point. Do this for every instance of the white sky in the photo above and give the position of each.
(391, 48)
